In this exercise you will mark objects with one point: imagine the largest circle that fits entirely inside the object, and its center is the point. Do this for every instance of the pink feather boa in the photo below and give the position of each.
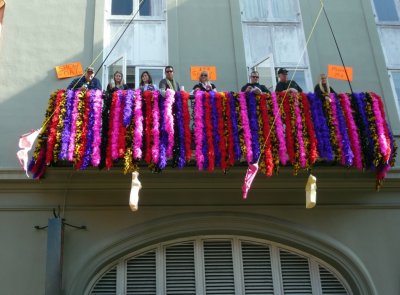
(198, 128)
(279, 129)
(97, 108)
(155, 150)
(245, 126)
(169, 120)
(116, 125)
(299, 127)
(138, 131)
(384, 145)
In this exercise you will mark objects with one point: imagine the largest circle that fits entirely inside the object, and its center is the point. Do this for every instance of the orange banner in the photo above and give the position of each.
(69, 70)
(196, 70)
(338, 72)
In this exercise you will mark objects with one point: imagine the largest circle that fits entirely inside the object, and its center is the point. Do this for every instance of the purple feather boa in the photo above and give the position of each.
(214, 118)
(234, 124)
(128, 108)
(253, 123)
(66, 133)
(321, 127)
(180, 129)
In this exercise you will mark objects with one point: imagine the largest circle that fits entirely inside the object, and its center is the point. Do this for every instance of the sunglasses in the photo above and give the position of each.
(203, 75)
(255, 77)
(169, 71)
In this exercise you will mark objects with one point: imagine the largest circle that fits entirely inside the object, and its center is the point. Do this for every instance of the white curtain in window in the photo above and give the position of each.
(269, 10)
(258, 44)
(284, 9)
(288, 45)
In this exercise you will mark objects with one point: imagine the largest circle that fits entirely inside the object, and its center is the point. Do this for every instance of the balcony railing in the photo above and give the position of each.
(214, 129)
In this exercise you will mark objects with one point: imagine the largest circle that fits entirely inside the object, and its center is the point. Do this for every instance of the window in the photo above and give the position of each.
(143, 44)
(121, 7)
(388, 25)
(395, 79)
(219, 265)
(386, 10)
(273, 27)
(127, 7)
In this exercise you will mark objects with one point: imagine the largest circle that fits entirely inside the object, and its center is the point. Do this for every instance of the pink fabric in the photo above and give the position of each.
(248, 179)
(25, 144)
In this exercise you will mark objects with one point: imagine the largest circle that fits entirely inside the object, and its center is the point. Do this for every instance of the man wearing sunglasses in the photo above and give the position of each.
(254, 85)
(169, 82)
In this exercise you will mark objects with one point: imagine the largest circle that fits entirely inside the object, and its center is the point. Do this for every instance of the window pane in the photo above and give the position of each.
(386, 10)
(156, 74)
(150, 8)
(284, 10)
(299, 77)
(121, 7)
(396, 83)
(145, 8)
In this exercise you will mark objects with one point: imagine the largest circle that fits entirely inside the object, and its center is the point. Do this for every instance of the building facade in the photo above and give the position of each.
(193, 233)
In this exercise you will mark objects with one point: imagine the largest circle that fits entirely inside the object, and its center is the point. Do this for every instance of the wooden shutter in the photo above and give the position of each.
(107, 284)
(180, 269)
(257, 272)
(295, 273)
(218, 267)
(330, 283)
(141, 274)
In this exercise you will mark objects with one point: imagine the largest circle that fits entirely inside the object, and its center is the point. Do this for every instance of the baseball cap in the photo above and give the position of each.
(282, 71)
(89, 69)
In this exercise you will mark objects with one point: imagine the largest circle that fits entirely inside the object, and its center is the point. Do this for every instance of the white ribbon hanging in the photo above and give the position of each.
(311, 192)
(135, 188)
(25, 144)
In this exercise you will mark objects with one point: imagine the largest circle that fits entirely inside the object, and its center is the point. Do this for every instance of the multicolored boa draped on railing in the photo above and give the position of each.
(90, 128)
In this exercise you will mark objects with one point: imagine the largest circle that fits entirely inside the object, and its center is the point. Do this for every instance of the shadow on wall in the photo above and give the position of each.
(27, 71)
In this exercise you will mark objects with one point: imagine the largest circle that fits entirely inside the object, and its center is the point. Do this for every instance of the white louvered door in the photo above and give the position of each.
(220, 265)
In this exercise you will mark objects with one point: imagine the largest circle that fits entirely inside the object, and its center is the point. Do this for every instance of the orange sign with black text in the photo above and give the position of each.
(196, 70)
(339, 72)
(69, 70)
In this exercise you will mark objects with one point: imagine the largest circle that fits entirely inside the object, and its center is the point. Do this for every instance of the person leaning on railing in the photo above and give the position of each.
(285, 84)
(204, 84)
(322, 89)
(254, 85)
(117, 83)
(146, 82)
(88, 81)
(169, 82)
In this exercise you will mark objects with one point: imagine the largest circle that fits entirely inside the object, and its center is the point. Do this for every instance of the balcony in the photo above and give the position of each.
(215, 130)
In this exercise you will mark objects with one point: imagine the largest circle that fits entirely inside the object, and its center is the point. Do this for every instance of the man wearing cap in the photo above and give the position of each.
(284, 84)
(254, 86)
(86, 82)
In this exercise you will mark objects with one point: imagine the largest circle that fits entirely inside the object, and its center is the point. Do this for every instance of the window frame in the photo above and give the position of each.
(236, 249)
(109, 16)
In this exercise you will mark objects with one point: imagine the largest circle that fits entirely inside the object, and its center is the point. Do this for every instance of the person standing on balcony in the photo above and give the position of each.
(254, 85)
(89, 81)
(322, 89)
(146, 82)
(117, 83)
(284, 84)
(169, 82)
(204, 84)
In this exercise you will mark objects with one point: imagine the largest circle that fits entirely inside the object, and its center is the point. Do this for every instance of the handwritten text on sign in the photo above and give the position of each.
(69, 70)
(338, 72)
(196, 70)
